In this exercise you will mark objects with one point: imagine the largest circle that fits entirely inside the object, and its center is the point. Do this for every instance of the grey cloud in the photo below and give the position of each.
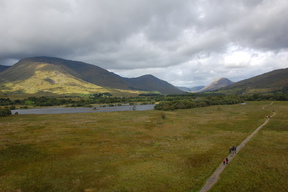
(185, 38)
(264, 27)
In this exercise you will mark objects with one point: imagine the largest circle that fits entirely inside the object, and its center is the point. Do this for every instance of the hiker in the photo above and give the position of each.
(227, 160)
(224, 161)
(234, 149)
(231, 150)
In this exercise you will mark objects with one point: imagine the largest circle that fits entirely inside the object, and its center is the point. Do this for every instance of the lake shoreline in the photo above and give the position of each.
(62, 110)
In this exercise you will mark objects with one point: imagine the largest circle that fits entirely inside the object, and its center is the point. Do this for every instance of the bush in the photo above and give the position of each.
(5, 112)
(12, 107)
(163, 115)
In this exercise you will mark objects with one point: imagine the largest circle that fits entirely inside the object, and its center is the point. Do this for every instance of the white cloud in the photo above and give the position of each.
(237, 59)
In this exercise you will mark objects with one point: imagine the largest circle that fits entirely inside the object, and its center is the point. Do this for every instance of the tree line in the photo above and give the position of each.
(208, 99)
(164, 102)
(71, 101)
(197, 102)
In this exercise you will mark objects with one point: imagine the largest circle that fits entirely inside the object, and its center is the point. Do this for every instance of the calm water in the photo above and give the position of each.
(59, 110)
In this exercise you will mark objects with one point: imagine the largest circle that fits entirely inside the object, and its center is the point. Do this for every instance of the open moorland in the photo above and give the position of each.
(145, 150)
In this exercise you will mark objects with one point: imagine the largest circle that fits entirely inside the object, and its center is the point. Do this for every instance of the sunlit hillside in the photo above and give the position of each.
(54, 81)
(60, 76)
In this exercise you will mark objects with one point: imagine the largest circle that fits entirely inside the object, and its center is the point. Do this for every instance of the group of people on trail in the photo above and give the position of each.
(232, 150)
(225, 161)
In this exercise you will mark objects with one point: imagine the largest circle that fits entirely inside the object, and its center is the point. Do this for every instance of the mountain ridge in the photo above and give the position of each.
(87, 75)
(51, 75)
(273, 81)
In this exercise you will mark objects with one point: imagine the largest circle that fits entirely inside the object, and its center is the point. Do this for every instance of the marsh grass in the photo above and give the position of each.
(123, 151)
(262, 165)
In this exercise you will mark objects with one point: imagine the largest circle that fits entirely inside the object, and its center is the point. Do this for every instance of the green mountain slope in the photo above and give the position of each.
(276, 80)
(60, 76)
(151, 83)
(46, 78)
(84, 71)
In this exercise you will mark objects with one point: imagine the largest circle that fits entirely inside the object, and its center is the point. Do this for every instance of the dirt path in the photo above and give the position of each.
(214, 177)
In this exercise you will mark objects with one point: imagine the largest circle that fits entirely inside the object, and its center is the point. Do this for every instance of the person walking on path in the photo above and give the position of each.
(214, 177)
(227, 160)
(234, 149)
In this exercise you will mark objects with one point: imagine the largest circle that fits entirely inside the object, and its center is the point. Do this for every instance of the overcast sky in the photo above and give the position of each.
(184, 42)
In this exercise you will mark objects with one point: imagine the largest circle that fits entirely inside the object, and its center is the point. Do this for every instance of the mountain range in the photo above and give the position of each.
(56, 76)
(50, 75)
(273, 81)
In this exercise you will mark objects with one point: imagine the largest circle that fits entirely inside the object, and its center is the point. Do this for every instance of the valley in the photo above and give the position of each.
(144, 150)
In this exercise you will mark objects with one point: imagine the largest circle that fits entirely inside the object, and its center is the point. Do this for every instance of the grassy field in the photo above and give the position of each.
(144, 150)
(262, 165)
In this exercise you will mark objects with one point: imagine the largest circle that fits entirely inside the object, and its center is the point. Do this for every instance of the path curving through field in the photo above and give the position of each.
(214, 177)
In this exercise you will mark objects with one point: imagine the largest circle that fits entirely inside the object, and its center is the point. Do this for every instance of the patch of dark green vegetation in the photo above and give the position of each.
(5, 112)
(189, 101)
(51, 81)
(164, 102)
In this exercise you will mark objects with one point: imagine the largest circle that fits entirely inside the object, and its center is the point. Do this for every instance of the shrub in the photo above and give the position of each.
(12, 107)
(5, 112)
(163, 115)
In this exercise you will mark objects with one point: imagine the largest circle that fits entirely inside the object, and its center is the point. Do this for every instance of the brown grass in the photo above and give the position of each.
(122, 151)
(262, 165)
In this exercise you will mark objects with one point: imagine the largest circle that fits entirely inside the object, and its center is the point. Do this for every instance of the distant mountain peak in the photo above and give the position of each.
(217, 84)
(191, 89)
